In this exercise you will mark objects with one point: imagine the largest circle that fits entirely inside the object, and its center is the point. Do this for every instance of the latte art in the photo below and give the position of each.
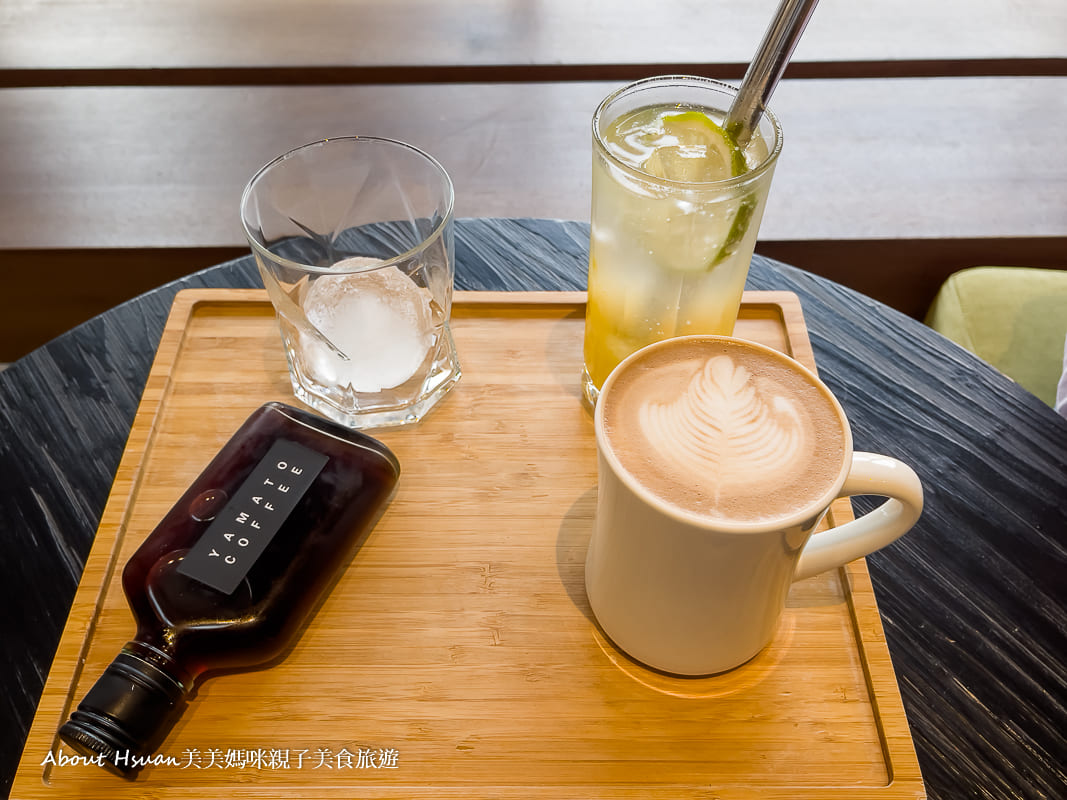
(722, 431)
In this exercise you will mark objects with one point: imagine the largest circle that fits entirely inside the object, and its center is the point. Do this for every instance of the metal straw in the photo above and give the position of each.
(767, 67)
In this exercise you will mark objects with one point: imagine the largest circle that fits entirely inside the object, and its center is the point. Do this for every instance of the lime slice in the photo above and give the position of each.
(737, 230)
(695, 150)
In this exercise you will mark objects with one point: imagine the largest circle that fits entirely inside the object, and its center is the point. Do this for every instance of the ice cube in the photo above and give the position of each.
(379, 318)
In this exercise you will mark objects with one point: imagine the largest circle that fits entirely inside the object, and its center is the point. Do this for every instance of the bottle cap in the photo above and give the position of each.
(125, 714)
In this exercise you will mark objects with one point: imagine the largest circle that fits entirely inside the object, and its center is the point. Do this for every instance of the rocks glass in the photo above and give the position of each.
(354, 241)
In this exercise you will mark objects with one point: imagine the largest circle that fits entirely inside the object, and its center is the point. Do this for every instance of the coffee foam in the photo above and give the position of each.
(724, 430)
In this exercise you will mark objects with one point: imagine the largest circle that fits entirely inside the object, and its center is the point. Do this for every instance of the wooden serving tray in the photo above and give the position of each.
(457, 657)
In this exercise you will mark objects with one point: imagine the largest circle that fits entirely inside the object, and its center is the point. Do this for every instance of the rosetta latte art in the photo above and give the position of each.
(722, 431)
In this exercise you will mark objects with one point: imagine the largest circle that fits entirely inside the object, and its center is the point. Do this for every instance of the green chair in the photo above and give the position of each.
(1015, 318)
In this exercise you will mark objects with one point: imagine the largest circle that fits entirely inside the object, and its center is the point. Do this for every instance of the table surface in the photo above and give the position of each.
(971, 599)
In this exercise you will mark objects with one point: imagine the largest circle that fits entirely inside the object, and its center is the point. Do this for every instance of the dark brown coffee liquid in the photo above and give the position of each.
(185, 626)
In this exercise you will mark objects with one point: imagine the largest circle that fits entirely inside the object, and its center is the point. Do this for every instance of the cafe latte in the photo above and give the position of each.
(724, 429)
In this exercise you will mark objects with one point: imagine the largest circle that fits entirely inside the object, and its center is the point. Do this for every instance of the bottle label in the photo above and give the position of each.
(240, 533)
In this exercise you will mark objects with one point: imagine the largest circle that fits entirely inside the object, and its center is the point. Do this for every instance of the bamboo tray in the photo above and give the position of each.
(457, 657)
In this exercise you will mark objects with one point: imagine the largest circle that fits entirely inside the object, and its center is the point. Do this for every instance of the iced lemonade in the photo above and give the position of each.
(676, 209)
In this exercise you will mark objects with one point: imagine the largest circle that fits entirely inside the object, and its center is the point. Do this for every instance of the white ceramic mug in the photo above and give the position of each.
(692, 593)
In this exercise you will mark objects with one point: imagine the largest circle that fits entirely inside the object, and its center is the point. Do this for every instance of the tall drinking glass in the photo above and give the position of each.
(676, 206)
(354, 241)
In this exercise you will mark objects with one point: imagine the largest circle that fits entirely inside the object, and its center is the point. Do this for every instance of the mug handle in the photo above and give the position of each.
(870, 474)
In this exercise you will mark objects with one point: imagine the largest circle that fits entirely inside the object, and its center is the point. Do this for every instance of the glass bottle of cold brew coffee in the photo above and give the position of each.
(230, 573)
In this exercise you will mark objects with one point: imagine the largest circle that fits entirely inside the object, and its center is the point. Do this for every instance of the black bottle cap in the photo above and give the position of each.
(125, 714)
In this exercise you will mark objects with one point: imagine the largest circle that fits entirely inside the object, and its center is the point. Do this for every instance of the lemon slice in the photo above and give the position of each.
(695, 150)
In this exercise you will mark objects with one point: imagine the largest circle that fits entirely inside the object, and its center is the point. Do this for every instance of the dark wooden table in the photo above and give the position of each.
(972, 599)
(920, 137)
